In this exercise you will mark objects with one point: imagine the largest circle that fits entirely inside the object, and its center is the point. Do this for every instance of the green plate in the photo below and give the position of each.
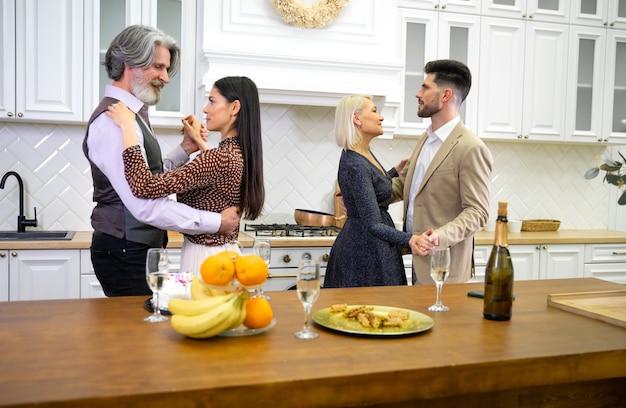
(416, 323)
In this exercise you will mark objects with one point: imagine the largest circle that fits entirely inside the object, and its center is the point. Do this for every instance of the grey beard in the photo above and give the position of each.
(147, 94)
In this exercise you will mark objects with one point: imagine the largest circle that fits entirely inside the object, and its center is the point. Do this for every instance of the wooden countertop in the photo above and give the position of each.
(100, 353)
(82, 240)
(557, 237)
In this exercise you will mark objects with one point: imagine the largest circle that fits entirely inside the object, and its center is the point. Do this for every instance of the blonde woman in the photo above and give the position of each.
(367, 251)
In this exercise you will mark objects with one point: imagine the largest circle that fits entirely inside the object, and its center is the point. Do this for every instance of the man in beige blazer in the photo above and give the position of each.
(445, 184)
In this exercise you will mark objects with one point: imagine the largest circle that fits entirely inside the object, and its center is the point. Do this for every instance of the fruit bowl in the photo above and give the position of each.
(244, 331)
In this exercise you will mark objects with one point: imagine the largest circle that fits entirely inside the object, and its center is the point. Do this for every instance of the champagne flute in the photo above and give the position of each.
(439, 271)
(157, 272)
(263, 248)
(308, 288)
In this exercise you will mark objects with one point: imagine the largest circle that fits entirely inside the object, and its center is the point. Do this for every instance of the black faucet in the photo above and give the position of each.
(22, 222)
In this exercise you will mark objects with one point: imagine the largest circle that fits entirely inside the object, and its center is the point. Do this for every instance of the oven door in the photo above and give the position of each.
(284, 266)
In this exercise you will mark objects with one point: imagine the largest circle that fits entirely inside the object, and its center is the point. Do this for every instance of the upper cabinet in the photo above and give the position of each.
(596, 103)
(175, 17)
(614, 122)
(41, 44)
(436, 35)
(556, 11)
(599, 13)
(522, 83)
(585, 84)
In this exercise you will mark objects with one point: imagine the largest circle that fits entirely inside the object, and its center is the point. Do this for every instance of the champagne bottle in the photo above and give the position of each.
(498, 297)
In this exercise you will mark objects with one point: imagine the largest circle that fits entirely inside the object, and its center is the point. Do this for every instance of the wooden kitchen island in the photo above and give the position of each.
(100, 353)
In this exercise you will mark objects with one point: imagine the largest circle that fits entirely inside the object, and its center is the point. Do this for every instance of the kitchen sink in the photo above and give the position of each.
(36, 235)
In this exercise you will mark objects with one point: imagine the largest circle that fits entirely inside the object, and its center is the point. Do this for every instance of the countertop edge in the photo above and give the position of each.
(82, 240)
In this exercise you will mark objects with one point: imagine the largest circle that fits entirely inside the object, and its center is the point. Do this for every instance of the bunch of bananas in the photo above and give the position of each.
(207, 315)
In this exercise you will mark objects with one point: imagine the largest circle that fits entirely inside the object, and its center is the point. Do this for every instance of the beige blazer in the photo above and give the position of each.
(453, 199)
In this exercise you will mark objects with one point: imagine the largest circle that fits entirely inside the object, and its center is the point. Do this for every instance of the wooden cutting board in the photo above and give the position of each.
(608, 306)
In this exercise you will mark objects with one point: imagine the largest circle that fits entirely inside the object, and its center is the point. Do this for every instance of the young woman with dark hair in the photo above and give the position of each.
(228, 175)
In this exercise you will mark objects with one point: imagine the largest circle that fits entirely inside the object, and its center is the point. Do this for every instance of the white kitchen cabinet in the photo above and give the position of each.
(596, 102)
(606, 261)
(90, 287)
(430, 36)
(599, 13)
(523, 79)
(556, 11)
(177, 18)
(43, 274)
(614, 105)
(561, 261)
(586, 73)
(525, 261)
(456, 6)
(4, 275)
(42, 60)
(536, 261)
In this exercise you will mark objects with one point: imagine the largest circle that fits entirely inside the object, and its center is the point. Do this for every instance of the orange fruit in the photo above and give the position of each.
(251, 270)
(218, 269)
(259, 313)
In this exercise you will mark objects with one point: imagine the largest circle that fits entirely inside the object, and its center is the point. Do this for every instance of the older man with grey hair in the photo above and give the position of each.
(139, 61)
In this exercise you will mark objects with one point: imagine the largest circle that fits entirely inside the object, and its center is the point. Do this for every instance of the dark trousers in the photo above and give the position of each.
(120, 265)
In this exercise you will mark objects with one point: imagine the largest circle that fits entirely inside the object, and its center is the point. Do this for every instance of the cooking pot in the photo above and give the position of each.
(310, 218)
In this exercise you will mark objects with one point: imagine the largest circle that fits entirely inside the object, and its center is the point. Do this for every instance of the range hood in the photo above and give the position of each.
(310, 67)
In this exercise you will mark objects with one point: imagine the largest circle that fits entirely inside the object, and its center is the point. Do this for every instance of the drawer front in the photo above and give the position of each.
(602, 253)
(613, 272)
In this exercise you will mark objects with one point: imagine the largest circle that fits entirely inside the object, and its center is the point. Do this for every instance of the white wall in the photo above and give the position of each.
(301, 157)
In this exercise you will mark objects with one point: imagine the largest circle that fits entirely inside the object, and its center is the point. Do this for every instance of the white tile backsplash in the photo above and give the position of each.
(300, 166)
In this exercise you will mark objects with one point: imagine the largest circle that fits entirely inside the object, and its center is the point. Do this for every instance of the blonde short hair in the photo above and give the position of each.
(346, 132)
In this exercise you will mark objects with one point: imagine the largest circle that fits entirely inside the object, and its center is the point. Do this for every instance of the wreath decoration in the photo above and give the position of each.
(316, 15)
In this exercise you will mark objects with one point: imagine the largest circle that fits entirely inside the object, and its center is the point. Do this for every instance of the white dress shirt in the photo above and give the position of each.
(428, 152)
(105, 150)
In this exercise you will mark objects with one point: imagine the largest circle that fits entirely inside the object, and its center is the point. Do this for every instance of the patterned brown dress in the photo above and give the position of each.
(211, 181)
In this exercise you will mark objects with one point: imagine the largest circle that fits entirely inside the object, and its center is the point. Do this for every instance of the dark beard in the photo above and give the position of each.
(427, 111)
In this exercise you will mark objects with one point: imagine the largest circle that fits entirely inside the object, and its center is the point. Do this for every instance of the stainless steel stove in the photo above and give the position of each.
(291, 230)
(285, 258)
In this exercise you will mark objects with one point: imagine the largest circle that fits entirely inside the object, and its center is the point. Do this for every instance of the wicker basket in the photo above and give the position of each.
(540, 225)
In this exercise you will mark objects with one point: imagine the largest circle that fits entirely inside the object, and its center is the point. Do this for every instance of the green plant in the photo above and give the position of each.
(615, 174)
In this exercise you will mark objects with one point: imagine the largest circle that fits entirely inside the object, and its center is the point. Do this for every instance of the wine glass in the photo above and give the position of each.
(439, 271)
(157, 272)
(308, 288)
(263, 248)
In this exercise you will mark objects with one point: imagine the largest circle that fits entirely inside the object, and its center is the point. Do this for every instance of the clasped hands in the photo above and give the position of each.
(423, 244)
(195, 135)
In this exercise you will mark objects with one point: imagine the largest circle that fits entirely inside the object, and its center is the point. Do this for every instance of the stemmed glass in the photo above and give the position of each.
(439, 271)
(263, 248)
(157, 272)
(308, 288)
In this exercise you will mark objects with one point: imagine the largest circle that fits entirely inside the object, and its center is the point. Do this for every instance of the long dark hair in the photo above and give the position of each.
(248, 125)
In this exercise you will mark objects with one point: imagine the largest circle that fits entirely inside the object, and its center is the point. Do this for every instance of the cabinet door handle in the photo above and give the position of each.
(619, 253)
(14, 254)
(3, 255)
